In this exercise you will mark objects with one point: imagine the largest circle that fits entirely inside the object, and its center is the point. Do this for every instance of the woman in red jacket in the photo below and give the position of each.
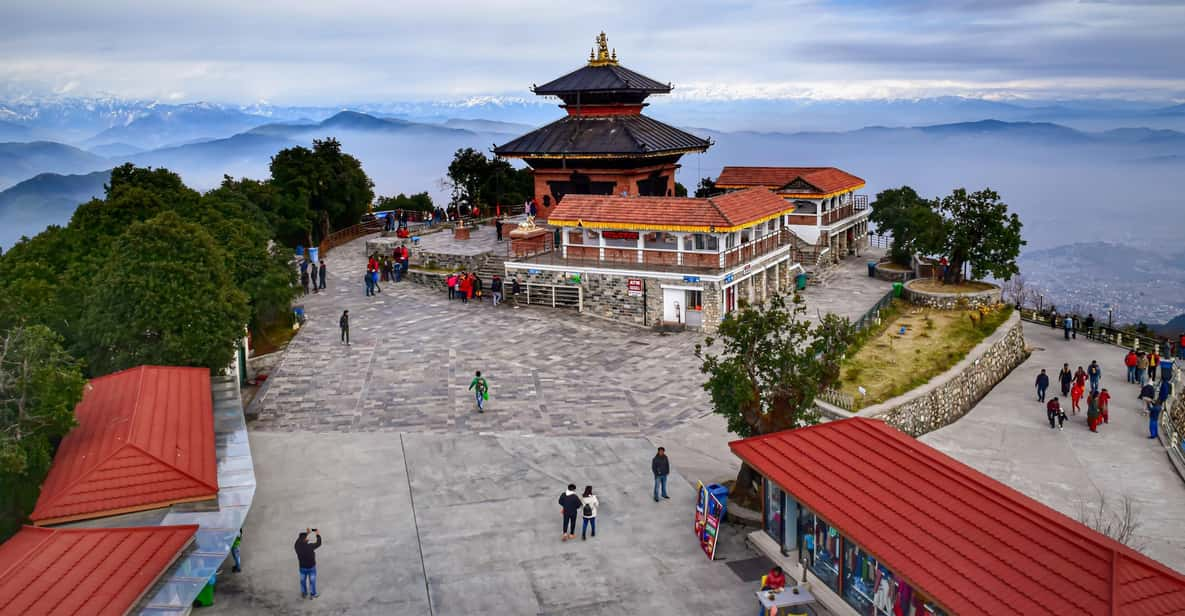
(466, 285)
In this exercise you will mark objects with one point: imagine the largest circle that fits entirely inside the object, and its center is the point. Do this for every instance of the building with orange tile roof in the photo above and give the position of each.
(828, 216)
(677, 261)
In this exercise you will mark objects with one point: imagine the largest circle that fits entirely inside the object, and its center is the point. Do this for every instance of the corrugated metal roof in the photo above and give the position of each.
(145, 438)
(85, 571)
(968, 541)
(609, 78)
(582, 135)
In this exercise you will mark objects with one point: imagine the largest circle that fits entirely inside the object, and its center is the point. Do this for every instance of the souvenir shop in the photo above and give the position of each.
(877, 523)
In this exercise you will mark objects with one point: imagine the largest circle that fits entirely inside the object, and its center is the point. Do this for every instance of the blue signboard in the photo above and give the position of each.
(532, 272)
(691, 279)
(728, 278)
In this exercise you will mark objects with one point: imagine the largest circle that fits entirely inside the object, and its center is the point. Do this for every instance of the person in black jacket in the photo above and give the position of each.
(661, 467)
(570, 506)
(344, 323)
(1042, 385)
(307, 559)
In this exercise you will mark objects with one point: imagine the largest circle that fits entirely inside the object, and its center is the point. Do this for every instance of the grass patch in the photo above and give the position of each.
(273, 336)
(888, 363)
(936, 286)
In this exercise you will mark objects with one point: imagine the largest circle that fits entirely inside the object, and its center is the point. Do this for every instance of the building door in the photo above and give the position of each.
(673, 308)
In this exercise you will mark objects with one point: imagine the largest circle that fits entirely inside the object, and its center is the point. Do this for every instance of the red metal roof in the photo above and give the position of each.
(145, 439)
(966, 540)
(725, 212)
(826, 180)
(85, 571)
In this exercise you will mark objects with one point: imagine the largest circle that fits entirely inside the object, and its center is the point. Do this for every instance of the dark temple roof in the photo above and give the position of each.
(576, 137)
(609, 78)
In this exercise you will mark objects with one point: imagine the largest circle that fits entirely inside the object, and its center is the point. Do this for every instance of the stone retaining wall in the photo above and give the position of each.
(951, 301)
(950, 395)
(432, 280)
(892, 275)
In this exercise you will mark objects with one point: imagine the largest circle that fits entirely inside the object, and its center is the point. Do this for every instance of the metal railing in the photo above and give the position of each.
(341, 236)
(880, 240)
(545, 251)
(873, 315)
(1098, 333)
(553, 295)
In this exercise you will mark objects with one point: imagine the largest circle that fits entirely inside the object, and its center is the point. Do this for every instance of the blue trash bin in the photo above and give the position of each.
(1166, 370)
(299, 250)
(298, 311)
(800, 281)
(313, 254)
(719, 491)
(872, 269)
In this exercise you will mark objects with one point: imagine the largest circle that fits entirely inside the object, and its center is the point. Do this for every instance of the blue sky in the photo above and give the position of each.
(302, 52)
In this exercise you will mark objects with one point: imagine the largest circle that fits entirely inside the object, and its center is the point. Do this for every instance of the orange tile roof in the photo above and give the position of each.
(969, 542)
(85, 571)
(827, 180)
(726, 212)
(145, 439)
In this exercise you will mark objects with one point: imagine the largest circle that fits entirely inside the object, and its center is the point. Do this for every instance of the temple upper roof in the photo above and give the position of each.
(602, 75)
(620, 135)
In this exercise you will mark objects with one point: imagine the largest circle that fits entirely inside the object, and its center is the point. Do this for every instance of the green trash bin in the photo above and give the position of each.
(898, 289)
(800, 281)
(205, 598)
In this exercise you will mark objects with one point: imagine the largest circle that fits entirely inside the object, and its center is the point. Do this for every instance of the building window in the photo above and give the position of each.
(774, 511)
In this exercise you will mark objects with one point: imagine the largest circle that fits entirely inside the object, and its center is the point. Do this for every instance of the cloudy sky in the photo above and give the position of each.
(321, 52)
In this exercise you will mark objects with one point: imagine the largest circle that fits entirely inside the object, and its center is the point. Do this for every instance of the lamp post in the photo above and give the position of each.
(1110, 314)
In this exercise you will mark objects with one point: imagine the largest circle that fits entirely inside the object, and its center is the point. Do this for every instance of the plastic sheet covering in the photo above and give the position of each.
(236, 488)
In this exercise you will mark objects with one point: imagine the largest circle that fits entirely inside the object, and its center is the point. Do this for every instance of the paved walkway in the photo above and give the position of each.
(1007, 437)
(342, 428)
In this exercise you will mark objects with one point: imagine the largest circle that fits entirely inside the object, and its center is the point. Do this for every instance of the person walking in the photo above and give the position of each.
(344, 324)
(1053, 409)
(307, 559)
(404, 259)
(369, 280)
(515, 288)
(1089, 324)
(1105, 406)
(313, 275)
(569, 506)
(1181, 347)
(321, 274)
(481, 390)
(496, 289)
(451, 283)
(1092, 412)
(1042, 385)
(1094, 373)
(1141, 368)
(1076, 397)
(1147, 392)
(1130, 360)
(466, 287)
(304, 280)
(1154, 409)
(1153, 362)
(661, 467)
(589, 512)
(1080, 377)
(1065, 377)
(1067, 325)
(374, 279)
(1053, 318)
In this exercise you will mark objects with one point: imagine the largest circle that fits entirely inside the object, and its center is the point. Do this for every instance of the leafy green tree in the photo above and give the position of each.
(487, 182)
(977, 230)
(332, 184)
(680, 190)
(39, 386)
(706, 188)
(164, 296)
(911, 220)
(771, 363)
(419, 202)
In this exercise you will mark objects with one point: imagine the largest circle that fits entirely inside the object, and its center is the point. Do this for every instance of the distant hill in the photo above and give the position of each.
(489, 126)
(203, 164)
(175, 125)
(1175, 327)
(11, 131)
(115, 150)
(47, 199)
(21, 161)
(353, 121)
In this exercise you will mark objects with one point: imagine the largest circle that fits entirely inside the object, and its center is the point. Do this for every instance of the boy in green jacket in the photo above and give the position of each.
(481, 389)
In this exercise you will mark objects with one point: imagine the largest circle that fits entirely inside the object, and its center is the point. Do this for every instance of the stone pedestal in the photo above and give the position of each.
(461, 233)
(526, 243)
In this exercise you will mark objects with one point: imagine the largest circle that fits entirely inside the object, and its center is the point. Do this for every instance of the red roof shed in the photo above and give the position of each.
(812, 181)
(144, 440)
(966, 540)
(727, 212)
(91, 571)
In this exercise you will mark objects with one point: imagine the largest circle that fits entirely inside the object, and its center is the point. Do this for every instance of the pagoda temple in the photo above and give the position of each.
(604, 146)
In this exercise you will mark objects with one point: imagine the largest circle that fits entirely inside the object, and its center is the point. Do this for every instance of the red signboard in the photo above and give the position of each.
(620, 235)
(708, 512)
(634, 286)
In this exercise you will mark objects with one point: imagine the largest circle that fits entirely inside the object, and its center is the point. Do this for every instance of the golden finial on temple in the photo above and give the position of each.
(602, 57)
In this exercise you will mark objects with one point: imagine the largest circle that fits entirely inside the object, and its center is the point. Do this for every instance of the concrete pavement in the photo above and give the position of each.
(1007, 437)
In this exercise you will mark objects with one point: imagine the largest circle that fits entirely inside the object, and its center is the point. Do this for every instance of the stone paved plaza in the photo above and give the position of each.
(428, 507)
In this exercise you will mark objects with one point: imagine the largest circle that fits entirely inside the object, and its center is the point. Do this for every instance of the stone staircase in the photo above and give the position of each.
(493, 264)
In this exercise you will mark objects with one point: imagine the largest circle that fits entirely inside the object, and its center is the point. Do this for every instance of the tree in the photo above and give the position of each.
(978, 231)
(419, 202)
(468, 171)
(909, 218)
(706, 188)
(680, 190)
(772, 361)
(163, 297)
(331, 185)
(1018, 289)
(39, 386)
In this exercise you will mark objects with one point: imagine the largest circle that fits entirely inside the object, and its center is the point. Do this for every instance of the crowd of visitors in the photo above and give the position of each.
(1143, 369)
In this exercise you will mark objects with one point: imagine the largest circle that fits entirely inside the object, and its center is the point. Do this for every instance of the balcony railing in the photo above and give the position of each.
(653, 259)
(858, 204)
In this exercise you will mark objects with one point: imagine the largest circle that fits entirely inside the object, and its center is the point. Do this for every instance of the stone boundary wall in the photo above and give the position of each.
(950, 395)
(950, 301)
(432, 280)
(892, 275)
